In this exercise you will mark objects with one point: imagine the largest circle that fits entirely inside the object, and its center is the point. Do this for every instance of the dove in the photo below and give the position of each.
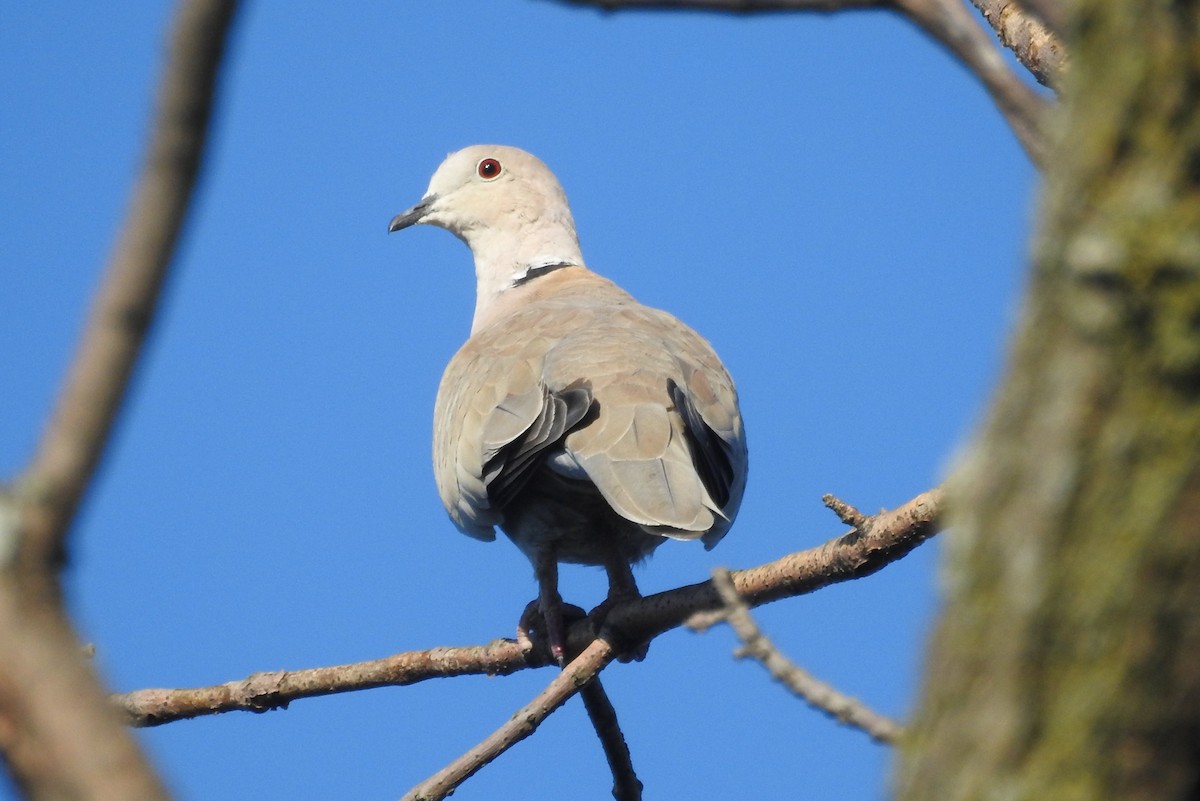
(585, 426)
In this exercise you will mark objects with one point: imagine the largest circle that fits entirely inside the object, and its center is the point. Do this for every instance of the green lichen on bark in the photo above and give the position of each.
(1067, 661)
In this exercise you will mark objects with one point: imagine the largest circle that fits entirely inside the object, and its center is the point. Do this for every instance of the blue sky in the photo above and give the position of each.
(831, 201)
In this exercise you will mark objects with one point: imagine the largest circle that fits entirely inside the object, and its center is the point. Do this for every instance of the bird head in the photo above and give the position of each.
(509, 209)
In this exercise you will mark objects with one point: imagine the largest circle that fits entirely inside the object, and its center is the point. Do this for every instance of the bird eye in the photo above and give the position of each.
(488, 169)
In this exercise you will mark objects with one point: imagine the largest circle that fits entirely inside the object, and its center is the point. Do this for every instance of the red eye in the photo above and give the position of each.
(488, 169)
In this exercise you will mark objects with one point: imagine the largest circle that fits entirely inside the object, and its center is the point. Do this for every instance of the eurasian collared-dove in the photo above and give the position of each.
(586, 426)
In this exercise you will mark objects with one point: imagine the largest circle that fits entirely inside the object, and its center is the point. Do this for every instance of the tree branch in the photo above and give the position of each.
(261, 692)
(816, 693)
(524, 722)
(881, 539)
(59, 735)
(75, 436)
(1050, 13)
(947, 21)
(1028, 38)
(844, 511)
(626, 785)
(59, 738)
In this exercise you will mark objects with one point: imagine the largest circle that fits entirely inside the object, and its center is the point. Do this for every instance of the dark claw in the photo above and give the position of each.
(549, 624)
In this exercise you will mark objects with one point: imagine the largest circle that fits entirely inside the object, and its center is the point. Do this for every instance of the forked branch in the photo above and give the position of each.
(949, 22)
(803, 684)
(880, 540)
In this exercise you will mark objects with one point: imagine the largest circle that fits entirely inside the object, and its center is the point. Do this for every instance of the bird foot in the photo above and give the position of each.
(549, 622)
(598, 615)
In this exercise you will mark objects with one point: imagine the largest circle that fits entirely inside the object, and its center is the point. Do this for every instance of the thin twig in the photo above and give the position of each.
(809, 688)
(626, 785)
(845, 512)
(882, 539)
(524, 722)
(947, 21)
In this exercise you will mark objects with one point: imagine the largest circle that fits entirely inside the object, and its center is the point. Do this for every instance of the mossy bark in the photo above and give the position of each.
(1066, 664)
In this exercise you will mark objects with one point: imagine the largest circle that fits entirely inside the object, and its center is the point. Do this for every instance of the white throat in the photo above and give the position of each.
(506, 258)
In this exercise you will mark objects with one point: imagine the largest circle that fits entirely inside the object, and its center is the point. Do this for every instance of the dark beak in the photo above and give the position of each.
(413, 216)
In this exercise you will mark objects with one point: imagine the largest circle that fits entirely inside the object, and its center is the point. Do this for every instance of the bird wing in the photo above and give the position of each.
(634, 397)
(667, 448)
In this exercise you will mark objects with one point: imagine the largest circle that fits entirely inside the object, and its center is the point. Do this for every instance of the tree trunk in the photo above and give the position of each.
(1066, 664)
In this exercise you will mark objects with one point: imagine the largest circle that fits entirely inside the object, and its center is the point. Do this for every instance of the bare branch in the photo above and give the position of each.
(731, 6)
(1051, 13)
(626, 785)
(59, 737)
(880, 540)
(947, 21)
(952, 24)
(1028, 38)
(261, 692)
(523, 723)
(816, 693)
(59, 734)
(845, 512)
(123, 310)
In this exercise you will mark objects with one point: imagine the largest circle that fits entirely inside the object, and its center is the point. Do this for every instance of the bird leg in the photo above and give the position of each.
(621, 587)
(547, 613)
(621, 584)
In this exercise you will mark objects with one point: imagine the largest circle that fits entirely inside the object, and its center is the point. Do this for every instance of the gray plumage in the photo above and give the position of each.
(586, 426)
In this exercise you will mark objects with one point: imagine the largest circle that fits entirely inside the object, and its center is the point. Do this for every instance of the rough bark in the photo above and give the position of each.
(1029, 39)
(1066, 664)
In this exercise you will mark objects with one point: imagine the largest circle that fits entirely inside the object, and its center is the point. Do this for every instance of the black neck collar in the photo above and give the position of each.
(540, 270)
